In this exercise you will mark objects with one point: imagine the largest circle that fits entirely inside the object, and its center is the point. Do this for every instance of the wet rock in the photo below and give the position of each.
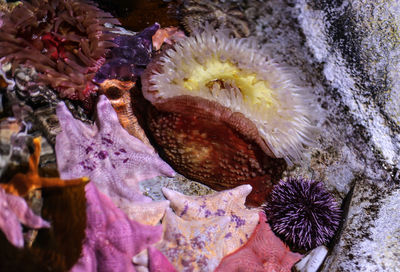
(179, 183)
(370, 237)
(294, 33)
(347, 53)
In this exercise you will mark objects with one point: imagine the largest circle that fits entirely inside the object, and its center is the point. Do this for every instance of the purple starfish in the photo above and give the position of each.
(128, 60)
(112, 239)
(113, 159)
(13, 211)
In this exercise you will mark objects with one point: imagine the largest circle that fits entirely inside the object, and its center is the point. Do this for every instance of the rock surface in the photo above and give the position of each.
(370, 238)
(346, 53)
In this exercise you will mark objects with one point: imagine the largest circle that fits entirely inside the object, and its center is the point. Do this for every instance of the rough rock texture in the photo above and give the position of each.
(370, 238)
(346, 53)
(345, 149)
(179, 183)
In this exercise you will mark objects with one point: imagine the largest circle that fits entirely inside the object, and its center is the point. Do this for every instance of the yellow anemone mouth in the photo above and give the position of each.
(254, 90)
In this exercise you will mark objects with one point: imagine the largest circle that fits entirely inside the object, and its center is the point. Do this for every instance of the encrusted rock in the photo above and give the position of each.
(370, 237)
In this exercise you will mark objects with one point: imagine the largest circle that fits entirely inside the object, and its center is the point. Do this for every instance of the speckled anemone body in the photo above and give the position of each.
(227, 111)
(64, 40)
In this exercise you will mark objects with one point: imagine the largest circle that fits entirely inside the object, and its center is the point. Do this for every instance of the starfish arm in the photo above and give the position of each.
(108, 123)
(11, 228)
(109, 120)
(112, 239)
(13, 211)
(25, 214)
(158, 262)
(75, 129)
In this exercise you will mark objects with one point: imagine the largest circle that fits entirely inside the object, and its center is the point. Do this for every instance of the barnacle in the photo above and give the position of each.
(64, 40)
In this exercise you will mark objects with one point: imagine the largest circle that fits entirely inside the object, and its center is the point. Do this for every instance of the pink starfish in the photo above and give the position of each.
(13, 210)
(195, 245)
(112, 239)
(264, 252)
(158, 262)
(113, 159)
(224, 203)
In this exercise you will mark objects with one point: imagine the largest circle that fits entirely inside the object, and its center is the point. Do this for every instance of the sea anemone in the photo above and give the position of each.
(64, 40)
(224, 112)
(235, 74)
(302, 213)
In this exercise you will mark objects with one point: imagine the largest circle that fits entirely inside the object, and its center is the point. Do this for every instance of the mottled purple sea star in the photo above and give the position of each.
(112, 239)
(13, 211)
(195, 245)
(225, 203)
(113, 159)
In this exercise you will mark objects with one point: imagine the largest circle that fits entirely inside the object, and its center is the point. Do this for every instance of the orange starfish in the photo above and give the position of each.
(22, 184)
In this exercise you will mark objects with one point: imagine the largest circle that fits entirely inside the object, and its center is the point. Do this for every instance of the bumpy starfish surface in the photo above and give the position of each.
(22, 184)
(158, 262)
(112, 239)
(225, 203)
(193, 245)
(113, 159)
(13, 211)
(152, 260)
(263, 252)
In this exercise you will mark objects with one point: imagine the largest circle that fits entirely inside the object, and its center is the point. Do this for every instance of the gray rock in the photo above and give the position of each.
(370, 238)
(347, 53)
(179, 183)
(349, 145)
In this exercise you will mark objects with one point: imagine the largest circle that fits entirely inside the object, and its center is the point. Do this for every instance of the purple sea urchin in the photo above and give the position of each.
(302, 213)
(64, 40)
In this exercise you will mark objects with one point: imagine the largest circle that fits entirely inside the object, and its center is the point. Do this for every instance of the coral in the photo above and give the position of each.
(22, 184)
(64, 40)
(303, 213)
(194, 245)
(113, 159)
(112, 239)
(226, 203)
(235, 74)
(127, 61)
(197, 13)
(263, 252)
(13, 211)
